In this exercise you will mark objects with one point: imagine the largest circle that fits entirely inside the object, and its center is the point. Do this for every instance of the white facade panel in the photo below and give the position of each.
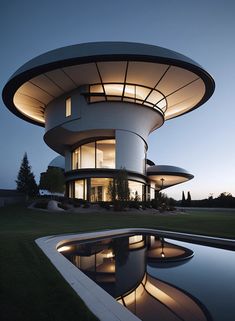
(130, 151)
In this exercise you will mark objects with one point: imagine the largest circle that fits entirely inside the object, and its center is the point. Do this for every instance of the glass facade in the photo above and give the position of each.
(99, 189)
(136, 190)
(98, 154)
(80, 189)
(105, 153)
(87, 153)
(96, 189)
(133, 93)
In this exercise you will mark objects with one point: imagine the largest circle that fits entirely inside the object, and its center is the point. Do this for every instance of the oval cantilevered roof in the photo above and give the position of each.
(166, 176)
(145, 74)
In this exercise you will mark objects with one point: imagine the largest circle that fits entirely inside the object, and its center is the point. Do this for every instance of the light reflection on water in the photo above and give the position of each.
(160, 279)
(209, 276)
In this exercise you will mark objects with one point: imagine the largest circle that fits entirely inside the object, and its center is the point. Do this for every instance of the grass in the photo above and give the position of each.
(31, 288)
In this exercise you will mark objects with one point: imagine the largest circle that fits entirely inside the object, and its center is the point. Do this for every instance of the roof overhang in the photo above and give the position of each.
(162, 76)
(165, 176)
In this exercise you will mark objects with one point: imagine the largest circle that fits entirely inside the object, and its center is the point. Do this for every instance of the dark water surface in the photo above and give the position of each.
(209, 276)
(160, 279)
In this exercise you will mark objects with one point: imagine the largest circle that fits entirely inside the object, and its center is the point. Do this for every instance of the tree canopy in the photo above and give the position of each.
(25, 179)
(53, 180)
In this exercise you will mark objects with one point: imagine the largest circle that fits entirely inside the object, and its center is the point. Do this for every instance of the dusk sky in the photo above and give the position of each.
(201, 141)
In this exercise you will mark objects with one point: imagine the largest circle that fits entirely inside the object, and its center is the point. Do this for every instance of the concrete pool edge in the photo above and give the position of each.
(97, 300)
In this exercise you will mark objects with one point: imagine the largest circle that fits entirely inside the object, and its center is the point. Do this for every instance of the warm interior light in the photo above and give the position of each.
(64, 248)
(113, 89)
(108, 254)
(68, 107)
(131, 92)
(135, 239)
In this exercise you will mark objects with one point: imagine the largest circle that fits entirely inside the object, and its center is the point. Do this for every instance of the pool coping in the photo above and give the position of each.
(102, 304)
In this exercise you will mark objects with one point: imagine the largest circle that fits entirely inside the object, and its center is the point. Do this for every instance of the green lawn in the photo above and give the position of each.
(30, 287)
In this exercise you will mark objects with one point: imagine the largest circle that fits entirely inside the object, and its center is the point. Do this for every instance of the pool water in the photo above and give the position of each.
(158, 278)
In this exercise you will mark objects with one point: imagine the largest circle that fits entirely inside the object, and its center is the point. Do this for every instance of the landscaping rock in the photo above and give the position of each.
(53, 206)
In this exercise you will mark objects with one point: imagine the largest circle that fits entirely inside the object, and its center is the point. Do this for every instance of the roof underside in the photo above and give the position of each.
(165, 176)
(174, 85)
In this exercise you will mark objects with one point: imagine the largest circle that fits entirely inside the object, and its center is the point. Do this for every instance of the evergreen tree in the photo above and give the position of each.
(118, 190)
(189, 199)
(25, 180)
(183, 199)
(112, 190)
(123, 192)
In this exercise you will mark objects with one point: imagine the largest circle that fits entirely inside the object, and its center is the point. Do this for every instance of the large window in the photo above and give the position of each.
(88, 155)
(105, 150)
(136, 190)
(80, 189)
(99, 189)
(98, 154)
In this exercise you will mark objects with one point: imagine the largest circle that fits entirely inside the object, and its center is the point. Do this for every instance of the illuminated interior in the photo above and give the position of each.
(64, 248)
(80, 190)
(136, 242)
(136, 190)
(68, 107)
(164, 181)
(99, 189)
(98, 154)
(127, 93)
(101, 262)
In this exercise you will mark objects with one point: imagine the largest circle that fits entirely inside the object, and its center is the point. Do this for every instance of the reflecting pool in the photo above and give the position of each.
(158, 278)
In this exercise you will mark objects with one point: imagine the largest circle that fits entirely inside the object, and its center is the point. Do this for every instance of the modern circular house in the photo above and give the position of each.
(99, 102)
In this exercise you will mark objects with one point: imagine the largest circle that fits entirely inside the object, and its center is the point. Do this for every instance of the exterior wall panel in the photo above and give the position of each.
(130, 151)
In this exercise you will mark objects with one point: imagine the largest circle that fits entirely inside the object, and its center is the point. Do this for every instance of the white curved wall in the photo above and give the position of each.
(129, 123)
(130, 151)
(99, 116)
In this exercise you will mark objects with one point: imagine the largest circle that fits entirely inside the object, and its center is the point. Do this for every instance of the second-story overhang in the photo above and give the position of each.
(137, 73)
(164, 176)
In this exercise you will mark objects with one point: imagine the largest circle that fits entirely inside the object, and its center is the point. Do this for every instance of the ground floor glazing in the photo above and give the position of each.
(98, 189)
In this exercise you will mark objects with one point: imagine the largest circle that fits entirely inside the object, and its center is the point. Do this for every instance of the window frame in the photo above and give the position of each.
(79, 158)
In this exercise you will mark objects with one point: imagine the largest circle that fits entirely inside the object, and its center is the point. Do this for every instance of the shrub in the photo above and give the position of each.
(134, 204)
(105, 205)
(86, 205)
(64, 206)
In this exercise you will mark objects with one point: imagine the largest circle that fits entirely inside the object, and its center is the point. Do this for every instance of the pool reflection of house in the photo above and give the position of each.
(99, 102)
(120, 266)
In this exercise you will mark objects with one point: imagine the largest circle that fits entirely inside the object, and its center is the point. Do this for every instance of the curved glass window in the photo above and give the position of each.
(136, 190)
(98, 154)
(80, 189)
(146, 96)
(99, 189)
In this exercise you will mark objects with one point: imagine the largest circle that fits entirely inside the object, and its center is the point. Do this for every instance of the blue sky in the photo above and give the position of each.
(201, 141)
